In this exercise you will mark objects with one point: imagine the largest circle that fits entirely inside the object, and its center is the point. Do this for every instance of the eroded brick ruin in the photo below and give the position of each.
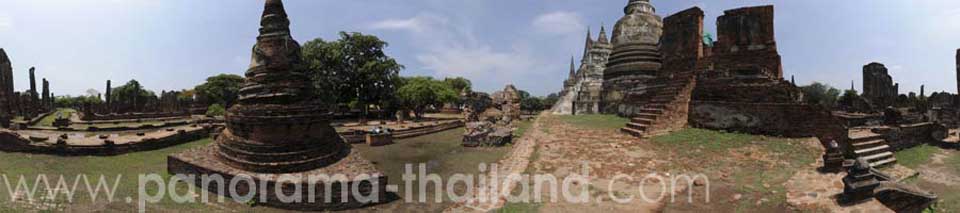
(277, 127)
(878, 86)
(665, 76)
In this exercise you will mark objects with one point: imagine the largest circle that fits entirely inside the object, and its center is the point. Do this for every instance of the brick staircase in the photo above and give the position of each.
(873, 148)
(666, 110)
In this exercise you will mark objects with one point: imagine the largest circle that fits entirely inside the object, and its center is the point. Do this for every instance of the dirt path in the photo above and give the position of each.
(559, 150)
(490, 197)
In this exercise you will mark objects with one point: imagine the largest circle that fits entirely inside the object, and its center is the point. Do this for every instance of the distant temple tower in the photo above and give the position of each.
(582, 89)
(636, 54)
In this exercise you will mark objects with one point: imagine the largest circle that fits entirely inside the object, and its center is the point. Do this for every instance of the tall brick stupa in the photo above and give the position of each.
(278, 128)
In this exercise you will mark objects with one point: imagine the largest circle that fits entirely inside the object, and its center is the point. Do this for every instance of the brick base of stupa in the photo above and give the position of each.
(362, 182)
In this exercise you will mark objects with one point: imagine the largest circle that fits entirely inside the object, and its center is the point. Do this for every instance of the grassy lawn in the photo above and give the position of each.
(441, 153)
(916, 156)
(126, 167)
(48, 121)
(600, 122)
(751, 165)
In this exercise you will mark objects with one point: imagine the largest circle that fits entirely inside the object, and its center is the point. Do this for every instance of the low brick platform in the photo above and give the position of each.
(360, 172)
(48, 142)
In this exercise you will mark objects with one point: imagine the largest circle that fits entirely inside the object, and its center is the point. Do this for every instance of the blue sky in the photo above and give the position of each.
(175, 44)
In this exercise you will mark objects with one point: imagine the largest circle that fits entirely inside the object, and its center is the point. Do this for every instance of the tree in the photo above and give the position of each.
(132, 97)
(76, 102)
(221, 89)
(820, 94)
(354, 68)
(550, 100)
(419, 93)
(216, 110)
(849, 98)
(531, 104)
(459, 84)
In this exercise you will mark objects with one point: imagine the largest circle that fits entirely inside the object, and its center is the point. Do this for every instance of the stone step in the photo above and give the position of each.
(868, 144)
(885, 162)
(642, 120)
(876, 157)
(651, 111)
(648, 116)
(866, 138)
(871, 150)
(632, 132)
(637, 126)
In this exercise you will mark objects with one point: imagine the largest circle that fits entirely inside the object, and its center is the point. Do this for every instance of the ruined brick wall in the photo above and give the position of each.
(13, 142)
(733, 90)
(878, 85)
(682, 35)
(130, 116)
(744, 65)
(911, 135)
(746, 46)
(778, 119)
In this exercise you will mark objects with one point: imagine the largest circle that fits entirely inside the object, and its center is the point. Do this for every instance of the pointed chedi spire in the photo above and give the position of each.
(573, 70)
(586, 47)
(276, 70)
(603, 35)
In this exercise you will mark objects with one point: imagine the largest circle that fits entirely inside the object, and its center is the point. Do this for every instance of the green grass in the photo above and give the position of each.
(522, 128)
(601, 122)
(520, 208)
(442, 153)
(48, 120)
(128, 167)
(915, 156)
(953, 162)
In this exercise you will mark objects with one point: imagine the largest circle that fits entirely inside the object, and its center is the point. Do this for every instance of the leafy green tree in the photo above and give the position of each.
(221, 89)
(216, 110)
(75, 102)
(459, 84)
(419, 93)
(550, 100)
(849, 98)
(820, 94)
(353, 68)
(531, 104)
(132, 97)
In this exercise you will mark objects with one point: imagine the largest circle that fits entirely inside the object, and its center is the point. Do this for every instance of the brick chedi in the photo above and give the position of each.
(635, 58)
(278, 128)
(878, 86)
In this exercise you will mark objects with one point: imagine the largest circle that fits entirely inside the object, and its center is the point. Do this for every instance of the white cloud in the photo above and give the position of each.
(6, 22)
(559, 22)
(419, 23)
(452, 49)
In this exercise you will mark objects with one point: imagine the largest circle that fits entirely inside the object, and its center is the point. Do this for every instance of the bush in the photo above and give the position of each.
(216, 110)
